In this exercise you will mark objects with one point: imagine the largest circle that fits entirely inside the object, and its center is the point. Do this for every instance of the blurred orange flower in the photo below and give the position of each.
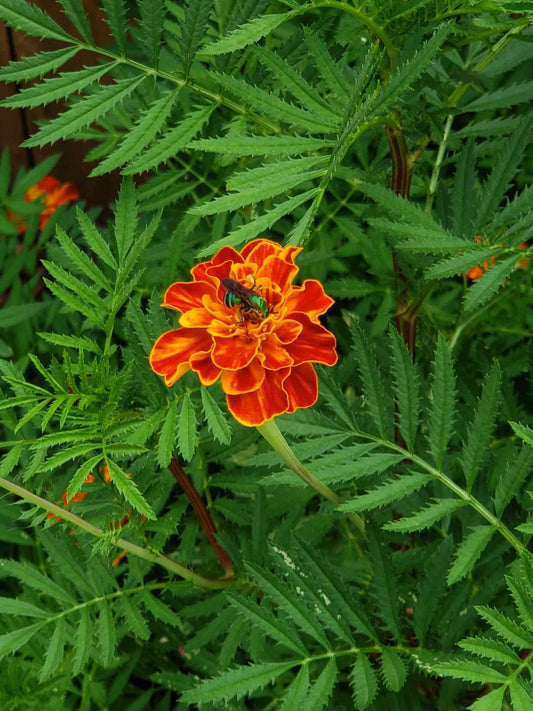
(245, 324)
(52, 193)
(478, 271)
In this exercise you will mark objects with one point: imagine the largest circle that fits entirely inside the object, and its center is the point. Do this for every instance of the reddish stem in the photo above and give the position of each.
(203, 514)
(402, 170)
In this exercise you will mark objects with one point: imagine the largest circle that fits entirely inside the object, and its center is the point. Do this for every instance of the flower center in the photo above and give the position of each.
(251, 305)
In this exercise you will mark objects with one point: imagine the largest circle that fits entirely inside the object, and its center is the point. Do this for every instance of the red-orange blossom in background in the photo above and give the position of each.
(52, 193)
(264, 364)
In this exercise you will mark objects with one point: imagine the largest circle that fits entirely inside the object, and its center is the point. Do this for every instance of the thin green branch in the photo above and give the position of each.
(453, 486)
(130, 547)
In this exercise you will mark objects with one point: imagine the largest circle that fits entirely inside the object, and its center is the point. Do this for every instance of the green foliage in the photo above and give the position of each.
(155, 554)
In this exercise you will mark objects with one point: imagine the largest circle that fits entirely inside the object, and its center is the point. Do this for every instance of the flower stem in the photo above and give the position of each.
(270, 431)
(202, 513)
(133, 548)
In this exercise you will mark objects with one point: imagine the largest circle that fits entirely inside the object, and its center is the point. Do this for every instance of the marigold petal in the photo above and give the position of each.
(196, 318)
(275, 355)
(254, 408)
(310, 299)
(226, 254)
(171, 352)
(202, 363)
(234, 353)
(258, 250)
(288, 330)
(278, 271)
(301, 386)
(184, 296)
(474, 273)
(65, 193)
(245, 380)
(314, 345)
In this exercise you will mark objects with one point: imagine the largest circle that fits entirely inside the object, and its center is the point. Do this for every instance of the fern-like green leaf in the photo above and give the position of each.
(82, 642)
(363, 680)
(88, 466)
(134, 619)
(525, 433)
(489, 702)
(487, 285)
(459, 264)
(260, 224)
(187, 428)
(285, 75)
(246, 34)
(57, 88)
(84, 112)
(79, 259)
(373, 387)
(255, 193)
(152, 18)
(330, 614)
(384, 584)
(465, 198)
(264, 620)
(426, 517)
(174, 141)
(504, 169)
(523, 601)
(75, 12)
(127, 487)
(290, 602)
(116, 17)
(125, 218)
(54, 652)
(140, 136)
(471, 547)
(297, 692)
(37, 65)
(510, 481)
(159, 610)
(31, 20)
(260, 145)
(470, 671)
(12, 641)
(389, 491)
(107, 636)
(521, 698)
(407, 385)
(442, 401)
(272, 106)
(491, 649)
(326, 65)
(332, 587)
(95, 240)
(319, 693)
(193, 29)
(217, 423)
(509, 95)
(393, 669)
(167, 437)
(506, 628)
(236, 683)
(480, 431)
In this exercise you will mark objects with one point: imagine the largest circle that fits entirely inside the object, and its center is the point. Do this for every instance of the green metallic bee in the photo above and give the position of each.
(238, 295)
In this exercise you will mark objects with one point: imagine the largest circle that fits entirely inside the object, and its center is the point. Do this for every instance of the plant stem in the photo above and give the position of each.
(203, 514)
(133, 548)
(270, 431)
(457, 490)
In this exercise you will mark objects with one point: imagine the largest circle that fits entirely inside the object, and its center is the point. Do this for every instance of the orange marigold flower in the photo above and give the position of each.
(245, 324)
(478, 271)
(52, 193)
